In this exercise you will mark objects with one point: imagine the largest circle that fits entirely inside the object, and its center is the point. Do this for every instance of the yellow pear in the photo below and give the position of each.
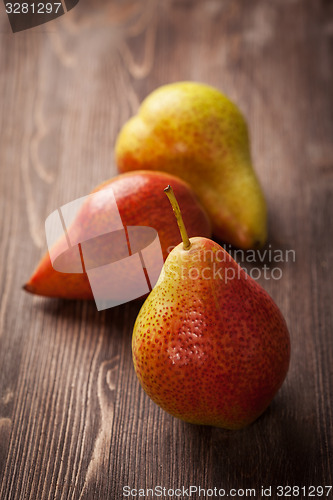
(193, 131)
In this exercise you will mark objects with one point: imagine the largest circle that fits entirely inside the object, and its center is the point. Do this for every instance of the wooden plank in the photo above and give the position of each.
(74, 422)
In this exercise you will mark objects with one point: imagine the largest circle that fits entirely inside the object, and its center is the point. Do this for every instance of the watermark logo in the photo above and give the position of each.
(217, 264)
(123, 263)
(87, 235)
(24, 15)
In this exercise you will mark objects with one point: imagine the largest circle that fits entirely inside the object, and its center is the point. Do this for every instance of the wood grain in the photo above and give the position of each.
(74, 422)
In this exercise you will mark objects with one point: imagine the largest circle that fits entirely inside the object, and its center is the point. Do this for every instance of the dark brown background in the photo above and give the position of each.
(74, 422)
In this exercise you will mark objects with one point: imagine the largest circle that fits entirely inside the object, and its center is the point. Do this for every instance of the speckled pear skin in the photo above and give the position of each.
(211, 351)
(193, 131)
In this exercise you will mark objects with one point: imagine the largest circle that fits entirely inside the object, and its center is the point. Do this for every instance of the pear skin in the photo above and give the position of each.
(193, 131)
(141, 202)
(210, 346)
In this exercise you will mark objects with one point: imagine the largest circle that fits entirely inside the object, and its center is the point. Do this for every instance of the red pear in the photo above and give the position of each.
(140, 201)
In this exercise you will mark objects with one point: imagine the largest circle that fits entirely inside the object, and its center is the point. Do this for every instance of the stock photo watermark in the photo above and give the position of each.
(208, 264)
(25, 15)
(123, 263)
(295, 491)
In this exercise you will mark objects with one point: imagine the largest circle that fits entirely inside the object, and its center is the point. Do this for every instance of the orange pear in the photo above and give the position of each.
(210, 346)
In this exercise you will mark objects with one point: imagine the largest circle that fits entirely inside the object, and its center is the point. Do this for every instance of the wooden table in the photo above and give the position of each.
(74, 422)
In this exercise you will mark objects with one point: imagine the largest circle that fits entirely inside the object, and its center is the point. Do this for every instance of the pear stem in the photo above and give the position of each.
(176, 210)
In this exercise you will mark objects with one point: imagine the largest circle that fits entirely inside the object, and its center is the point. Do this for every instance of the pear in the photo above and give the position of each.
(209, 345)
(140, 202)
(195, 132)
